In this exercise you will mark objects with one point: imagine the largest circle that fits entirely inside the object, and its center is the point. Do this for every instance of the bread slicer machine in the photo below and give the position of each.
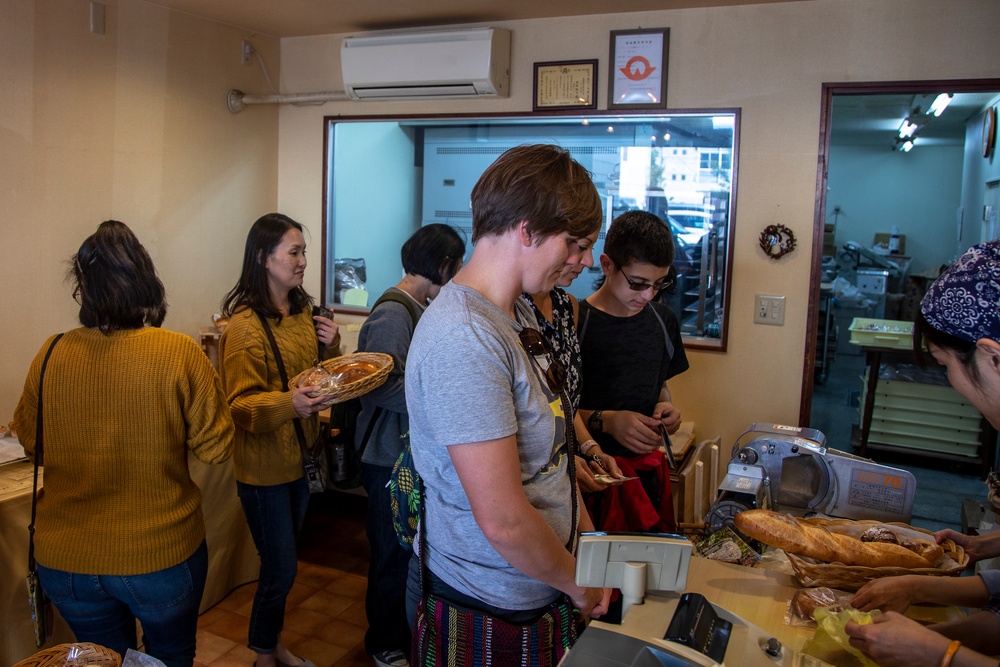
(669, 628)
(789, 469)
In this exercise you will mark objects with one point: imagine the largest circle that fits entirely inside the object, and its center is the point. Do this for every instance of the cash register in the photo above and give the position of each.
(662, 623)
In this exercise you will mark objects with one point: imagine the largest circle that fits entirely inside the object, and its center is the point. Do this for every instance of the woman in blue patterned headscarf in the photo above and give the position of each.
(959, 326)
(959, 323)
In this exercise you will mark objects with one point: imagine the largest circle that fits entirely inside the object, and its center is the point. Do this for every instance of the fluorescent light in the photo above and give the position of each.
(906, 146)
(939, 104)
(907, 129)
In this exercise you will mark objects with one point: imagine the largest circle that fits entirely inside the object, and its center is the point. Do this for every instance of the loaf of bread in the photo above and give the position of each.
(804, 539)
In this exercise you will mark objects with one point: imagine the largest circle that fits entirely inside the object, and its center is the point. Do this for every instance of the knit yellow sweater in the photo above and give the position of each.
(121, 413)
(266, 448)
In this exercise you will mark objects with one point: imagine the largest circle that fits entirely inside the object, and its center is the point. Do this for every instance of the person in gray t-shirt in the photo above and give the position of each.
(487, 426)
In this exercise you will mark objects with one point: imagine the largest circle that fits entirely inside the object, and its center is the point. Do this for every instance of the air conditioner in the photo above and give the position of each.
(447, 63)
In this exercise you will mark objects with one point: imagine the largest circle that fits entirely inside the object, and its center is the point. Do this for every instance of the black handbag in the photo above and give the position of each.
(41, 606)
(310, 455)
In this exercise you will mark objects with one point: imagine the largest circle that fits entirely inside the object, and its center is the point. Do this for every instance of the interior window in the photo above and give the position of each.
(387, 176)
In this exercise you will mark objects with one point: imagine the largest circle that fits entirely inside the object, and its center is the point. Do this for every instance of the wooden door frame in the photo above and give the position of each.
(819, 211)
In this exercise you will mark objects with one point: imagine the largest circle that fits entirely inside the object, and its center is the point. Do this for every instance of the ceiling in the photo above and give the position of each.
(874, 120)
(297, 18)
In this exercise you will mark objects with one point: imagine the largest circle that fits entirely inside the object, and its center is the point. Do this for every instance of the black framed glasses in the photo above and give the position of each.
(534, 344)
(658, 286)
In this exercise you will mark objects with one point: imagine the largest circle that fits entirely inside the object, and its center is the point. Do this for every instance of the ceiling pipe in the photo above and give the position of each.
(236, 100)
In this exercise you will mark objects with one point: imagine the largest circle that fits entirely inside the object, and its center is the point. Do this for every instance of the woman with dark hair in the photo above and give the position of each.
(557, 312)
(495, 577)
(125, 402)
(267, 457)
(959, 325)
(430, 258)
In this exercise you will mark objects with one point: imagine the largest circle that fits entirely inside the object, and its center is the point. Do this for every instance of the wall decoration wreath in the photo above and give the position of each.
(776, 241)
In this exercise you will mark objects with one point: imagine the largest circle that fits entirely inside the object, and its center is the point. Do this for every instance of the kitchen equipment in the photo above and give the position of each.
(789, 469)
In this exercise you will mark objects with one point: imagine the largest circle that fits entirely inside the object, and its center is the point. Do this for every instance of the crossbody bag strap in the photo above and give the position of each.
(412, 309)
(38, 456)
(296, 422)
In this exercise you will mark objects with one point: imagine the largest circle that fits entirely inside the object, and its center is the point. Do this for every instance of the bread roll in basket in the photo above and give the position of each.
(846, 554)
(350, 376)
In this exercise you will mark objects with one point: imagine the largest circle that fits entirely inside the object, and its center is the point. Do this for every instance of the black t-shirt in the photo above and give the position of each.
(626, 360)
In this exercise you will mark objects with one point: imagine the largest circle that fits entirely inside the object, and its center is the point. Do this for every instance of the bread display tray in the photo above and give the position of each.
(811, 572)
(377, 367)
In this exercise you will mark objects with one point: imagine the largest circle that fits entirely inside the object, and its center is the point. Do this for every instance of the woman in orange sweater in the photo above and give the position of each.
(119, 534)
(267, 459)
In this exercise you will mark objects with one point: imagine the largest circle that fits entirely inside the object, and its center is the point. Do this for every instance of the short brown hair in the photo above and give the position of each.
(540, 184)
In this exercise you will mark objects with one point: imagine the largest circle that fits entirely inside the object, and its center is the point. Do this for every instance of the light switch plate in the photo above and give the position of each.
(769, 310)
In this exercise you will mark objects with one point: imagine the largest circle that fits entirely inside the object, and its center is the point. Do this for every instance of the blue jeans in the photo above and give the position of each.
(385, 603)
(275, 515)
(103, 608)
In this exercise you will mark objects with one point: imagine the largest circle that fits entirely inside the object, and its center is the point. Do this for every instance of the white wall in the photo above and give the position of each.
(130, 125)
(978, 171)
(918, 191)
(769, 60)
(369, 215)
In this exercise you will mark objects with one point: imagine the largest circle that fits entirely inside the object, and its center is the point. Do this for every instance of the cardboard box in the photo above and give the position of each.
(882, 241)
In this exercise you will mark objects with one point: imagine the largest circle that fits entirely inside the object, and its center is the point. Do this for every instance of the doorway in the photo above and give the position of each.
(871, 194)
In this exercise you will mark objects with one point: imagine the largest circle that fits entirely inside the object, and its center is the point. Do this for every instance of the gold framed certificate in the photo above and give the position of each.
(565, 85)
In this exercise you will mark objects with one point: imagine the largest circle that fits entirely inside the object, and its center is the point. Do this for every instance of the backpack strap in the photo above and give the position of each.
(582, 329)
(411, 306)
(666, 337)
(415, 313)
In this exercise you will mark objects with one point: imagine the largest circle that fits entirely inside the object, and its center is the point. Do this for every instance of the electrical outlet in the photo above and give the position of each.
(246, 52)
(769, 310)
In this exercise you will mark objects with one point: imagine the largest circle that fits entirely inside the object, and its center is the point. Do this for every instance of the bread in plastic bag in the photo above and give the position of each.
(830, 642)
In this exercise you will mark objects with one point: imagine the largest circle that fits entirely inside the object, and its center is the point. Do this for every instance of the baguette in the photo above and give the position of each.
(804, 539)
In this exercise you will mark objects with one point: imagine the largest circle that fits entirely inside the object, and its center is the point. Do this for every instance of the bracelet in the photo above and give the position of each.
(587, 446)
(950, 653)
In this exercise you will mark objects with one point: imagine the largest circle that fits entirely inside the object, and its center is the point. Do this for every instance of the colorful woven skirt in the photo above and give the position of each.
(453, 636)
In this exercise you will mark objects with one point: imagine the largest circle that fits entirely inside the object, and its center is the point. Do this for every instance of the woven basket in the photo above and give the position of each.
(345, 392)
(80, 653)
(811, 572)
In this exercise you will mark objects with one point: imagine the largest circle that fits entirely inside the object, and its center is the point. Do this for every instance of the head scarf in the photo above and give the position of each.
(965, 300)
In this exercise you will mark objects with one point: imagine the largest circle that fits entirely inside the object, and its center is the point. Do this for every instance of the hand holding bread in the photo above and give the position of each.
(881, 546)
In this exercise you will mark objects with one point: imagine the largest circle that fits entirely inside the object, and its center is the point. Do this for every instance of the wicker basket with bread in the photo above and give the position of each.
(343, 378)
(846, 554)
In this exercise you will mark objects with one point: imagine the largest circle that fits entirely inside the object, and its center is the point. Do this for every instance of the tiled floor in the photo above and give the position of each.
(325, 616)
(941, 485)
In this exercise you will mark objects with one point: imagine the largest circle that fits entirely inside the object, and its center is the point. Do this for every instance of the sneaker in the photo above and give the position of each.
(390, 659)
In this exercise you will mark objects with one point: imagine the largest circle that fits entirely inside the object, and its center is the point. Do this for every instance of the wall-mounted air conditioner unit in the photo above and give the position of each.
(446, 63)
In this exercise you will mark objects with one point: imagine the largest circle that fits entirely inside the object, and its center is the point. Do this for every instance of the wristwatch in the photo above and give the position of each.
(596, 422)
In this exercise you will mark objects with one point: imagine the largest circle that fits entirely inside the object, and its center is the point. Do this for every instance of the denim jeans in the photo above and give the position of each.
(275, 515)
(103, 608)
(385, 600)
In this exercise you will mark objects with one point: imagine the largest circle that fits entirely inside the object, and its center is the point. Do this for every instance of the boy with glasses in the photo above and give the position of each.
(631, 345)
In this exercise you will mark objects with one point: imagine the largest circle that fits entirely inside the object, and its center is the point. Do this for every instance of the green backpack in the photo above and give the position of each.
(405, 495)
(405, 487)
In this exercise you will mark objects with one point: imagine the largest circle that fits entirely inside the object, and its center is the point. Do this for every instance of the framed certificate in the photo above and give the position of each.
(637, 74)
(565, 85)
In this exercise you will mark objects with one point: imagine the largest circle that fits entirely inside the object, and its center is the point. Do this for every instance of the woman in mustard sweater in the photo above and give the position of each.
(119, 534)
(267, 458)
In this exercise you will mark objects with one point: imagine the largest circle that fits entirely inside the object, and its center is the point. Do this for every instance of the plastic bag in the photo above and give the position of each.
(348, 273)
(806, 601)
(830, 641)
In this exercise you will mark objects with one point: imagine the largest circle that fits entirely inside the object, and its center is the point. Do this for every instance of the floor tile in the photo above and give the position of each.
(211, 647)
(340, 632)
